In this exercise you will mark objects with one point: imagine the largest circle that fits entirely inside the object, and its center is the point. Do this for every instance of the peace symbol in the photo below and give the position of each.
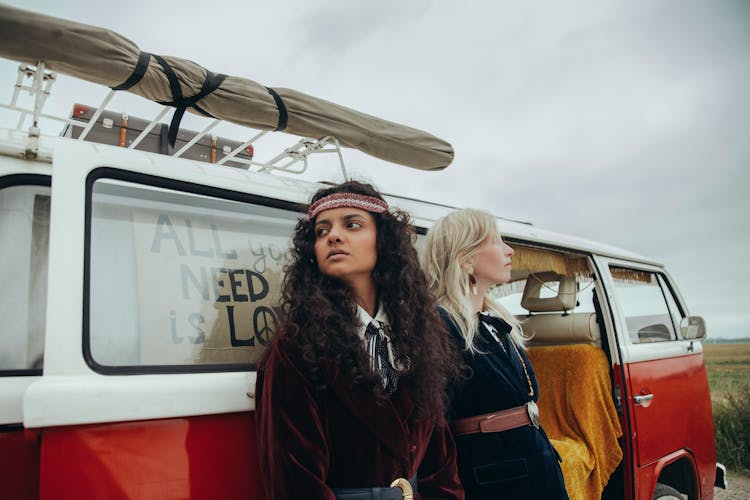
(264, 323)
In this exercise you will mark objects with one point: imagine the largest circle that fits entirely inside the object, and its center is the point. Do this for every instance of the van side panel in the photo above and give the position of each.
(19, 464)
(678, 417)
(198, 457)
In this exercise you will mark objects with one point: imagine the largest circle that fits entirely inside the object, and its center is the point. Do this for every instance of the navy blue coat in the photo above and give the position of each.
(518, 463)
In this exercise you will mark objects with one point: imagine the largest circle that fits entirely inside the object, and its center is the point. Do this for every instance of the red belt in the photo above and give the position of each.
(499, 421)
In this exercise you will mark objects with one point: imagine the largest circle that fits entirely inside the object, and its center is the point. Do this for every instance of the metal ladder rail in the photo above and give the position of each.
(296, 153)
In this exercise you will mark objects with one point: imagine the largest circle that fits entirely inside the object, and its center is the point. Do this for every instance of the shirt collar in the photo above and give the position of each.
(365, 319)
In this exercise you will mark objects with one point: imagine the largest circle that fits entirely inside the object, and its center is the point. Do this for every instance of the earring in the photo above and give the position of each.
(472, 281)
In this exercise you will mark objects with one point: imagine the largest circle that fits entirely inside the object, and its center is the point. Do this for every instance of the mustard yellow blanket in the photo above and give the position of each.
(579, 415)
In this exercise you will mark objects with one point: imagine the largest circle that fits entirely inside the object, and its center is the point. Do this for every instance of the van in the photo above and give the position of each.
(140, 289)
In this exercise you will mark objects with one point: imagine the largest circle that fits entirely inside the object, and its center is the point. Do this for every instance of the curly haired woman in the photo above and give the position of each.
(351, 391)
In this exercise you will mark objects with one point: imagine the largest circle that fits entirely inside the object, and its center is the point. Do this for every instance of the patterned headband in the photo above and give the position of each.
(338, 200)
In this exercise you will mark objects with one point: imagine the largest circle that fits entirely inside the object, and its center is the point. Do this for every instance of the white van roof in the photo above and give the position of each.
(426, 212)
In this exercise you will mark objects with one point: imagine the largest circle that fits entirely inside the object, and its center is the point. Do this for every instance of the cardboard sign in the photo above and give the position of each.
(208, 286)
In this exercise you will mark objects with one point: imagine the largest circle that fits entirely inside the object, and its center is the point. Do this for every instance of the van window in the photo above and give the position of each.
(181, 279)
(644, 301)
(24, 245)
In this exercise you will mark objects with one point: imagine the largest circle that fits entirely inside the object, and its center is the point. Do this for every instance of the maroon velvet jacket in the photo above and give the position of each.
(311, 441)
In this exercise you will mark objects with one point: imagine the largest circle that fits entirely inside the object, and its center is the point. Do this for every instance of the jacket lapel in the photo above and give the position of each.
(500, 361)
(385, 420)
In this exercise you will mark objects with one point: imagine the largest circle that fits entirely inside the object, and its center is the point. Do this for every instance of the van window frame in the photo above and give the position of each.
(15, 180)
(665, 287)
(175, 185)
(636, 352)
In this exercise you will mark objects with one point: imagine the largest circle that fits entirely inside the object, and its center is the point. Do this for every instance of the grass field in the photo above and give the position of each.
(728, 367)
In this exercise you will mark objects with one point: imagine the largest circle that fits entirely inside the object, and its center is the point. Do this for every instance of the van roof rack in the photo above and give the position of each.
(83, 125)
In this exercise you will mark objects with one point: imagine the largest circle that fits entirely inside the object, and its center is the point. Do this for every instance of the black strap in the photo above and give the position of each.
(174, 84)
(283, 116)
(211, 83)
(140, 69)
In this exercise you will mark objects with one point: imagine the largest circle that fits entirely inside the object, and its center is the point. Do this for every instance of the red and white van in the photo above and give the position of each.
(139, 289)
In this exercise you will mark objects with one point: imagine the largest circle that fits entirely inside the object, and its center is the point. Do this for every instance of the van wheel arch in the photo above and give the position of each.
(678, 477)
(666, 492)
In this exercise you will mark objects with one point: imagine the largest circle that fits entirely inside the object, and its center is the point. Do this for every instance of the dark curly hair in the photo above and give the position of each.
(321, 314)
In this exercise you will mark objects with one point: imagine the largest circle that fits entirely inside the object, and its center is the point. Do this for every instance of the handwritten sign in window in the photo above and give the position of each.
(206, 280)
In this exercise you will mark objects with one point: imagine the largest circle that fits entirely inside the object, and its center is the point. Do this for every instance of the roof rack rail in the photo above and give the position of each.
(293, 159)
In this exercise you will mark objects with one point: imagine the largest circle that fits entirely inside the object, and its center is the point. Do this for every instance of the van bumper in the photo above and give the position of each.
(721, 476)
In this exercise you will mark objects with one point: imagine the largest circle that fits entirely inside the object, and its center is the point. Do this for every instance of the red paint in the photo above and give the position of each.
(80, 109)
(19, 465)
(216, 456)
(201, 457)
(679, 418)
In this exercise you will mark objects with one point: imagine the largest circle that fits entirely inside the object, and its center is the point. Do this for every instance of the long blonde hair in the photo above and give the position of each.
(450, 242)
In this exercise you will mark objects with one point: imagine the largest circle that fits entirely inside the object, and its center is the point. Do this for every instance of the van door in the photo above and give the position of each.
(668, 401)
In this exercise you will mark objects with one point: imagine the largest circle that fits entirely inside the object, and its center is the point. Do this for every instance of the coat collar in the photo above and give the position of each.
(488, 347)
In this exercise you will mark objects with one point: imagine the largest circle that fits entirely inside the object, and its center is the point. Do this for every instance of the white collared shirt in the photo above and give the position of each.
(365, 319)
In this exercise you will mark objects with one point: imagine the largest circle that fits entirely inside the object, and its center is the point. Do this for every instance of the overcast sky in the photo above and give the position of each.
(623, 122)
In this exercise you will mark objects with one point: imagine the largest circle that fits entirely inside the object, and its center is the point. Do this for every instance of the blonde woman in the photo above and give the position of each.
(502, 450)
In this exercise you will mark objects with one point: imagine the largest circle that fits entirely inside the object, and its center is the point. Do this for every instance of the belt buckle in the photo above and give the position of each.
(405, 487)
(533, 410)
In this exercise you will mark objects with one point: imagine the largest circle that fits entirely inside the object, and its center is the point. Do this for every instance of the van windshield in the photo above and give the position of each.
(24, 244)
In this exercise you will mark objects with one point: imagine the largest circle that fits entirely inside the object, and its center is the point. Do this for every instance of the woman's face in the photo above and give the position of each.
(492, 264)
(345, 244)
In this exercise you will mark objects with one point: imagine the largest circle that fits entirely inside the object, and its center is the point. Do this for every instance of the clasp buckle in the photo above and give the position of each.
(533, 411)
(405, 487)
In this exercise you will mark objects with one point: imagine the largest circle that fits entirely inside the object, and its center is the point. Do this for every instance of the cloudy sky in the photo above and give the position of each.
(623, 122)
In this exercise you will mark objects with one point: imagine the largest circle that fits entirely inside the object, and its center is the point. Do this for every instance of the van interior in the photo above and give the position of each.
(553, 296)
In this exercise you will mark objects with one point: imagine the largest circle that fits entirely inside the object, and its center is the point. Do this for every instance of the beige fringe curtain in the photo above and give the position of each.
(631, 275)
(536, 260)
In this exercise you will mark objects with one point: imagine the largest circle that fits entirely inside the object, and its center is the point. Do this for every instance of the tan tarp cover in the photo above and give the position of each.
(101, 56)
